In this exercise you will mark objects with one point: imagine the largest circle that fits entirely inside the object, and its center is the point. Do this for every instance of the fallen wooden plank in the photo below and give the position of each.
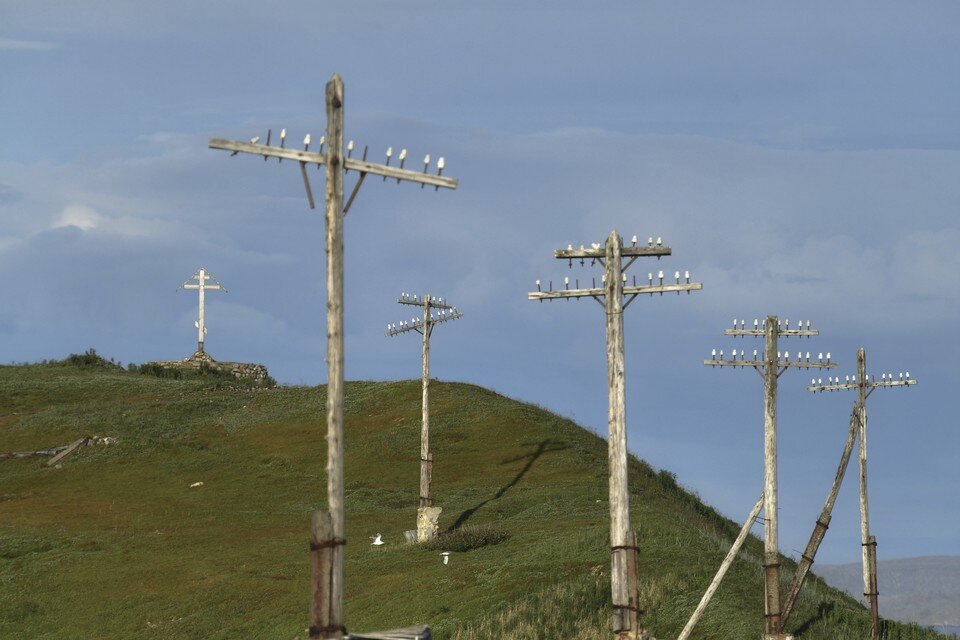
(29, 454)
(70, 449)
(410, 633)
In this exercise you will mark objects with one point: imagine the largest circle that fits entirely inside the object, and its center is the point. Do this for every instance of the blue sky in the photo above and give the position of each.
(800, 158)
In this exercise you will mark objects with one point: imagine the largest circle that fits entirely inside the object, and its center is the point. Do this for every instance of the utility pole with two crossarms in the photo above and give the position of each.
(433, 312)
(615, 294)
(864, 385)
(328, 527)
(771, 364)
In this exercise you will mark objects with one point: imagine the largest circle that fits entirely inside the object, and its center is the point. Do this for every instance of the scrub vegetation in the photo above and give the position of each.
(116, 543)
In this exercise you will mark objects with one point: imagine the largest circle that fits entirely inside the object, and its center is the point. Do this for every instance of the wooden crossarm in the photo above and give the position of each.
(627, 291)
(800, 364)
(625, 252)
(312, 157)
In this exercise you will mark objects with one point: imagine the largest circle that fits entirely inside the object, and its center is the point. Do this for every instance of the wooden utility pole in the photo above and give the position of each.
(615, 295)
(770, 366)
(434, 311)
(865, 385)
(201, 287)
(327, 620)
(822, 524)
(722, 571)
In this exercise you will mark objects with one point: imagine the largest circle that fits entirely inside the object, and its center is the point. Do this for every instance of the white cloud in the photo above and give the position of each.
(10, 44)
(80, 216)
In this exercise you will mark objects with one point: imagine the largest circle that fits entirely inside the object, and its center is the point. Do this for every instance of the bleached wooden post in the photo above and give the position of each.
(770, 367)
(334, 627)
(865, 385)
(434, 311)
(823, 522)
(201, 287)
(722, 571)
(328, 585)
(623, 546)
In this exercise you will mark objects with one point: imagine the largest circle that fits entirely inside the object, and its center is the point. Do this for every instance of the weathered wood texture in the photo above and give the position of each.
(771, 545)
(823, 522)
(617, 448)
(625, 252)
(351, 164)
(874, 591)
(868, 543)
(73, 446)
(633, 586)
(625, 290)
(426, 497)
(722, 571)
(333, 626)
(323, 542)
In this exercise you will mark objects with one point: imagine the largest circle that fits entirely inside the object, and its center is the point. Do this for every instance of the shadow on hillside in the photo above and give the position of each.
(544, 446)
(823, 610)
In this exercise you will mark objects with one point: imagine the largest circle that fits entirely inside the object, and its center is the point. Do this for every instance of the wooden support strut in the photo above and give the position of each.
(722, 571)
(822, 524)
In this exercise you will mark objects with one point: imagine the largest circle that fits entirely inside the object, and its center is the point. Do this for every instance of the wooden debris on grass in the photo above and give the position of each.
(56, 454)
(421, 632)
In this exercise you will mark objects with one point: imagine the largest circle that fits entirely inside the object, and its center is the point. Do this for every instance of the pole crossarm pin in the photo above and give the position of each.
(770, 364)
(434, 311)
(614, 293)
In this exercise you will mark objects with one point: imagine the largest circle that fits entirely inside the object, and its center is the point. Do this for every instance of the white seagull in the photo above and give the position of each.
(377, 540)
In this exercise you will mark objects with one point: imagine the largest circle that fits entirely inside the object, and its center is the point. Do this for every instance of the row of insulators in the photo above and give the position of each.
(408, 297)
(440, 316)
(633, 242)
(741, 325)
(350, 147)
(596, 245)
(603, 279)
(780, 356)
(884, 378)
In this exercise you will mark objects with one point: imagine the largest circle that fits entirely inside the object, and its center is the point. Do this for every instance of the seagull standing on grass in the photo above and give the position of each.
(377, 540)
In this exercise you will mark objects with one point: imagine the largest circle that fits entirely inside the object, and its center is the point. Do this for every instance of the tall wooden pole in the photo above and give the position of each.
(823, 522)
(722, 571)
(866, 540)
(617, 449)
(333, 627)
(426, 495)
(771, 548)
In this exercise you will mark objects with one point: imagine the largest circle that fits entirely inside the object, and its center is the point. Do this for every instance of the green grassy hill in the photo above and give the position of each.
(115, 543)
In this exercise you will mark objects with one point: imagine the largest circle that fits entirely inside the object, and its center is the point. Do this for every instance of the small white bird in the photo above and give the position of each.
(196, 484)
(377, 540)
(446, 557)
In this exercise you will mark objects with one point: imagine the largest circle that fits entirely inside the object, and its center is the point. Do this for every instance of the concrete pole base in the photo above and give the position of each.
(428, 523)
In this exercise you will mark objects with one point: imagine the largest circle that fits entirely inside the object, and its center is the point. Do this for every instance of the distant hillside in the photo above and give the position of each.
(117, 544)
(924, 590)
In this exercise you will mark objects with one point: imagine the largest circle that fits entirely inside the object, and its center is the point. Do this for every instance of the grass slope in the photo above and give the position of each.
(114, 544)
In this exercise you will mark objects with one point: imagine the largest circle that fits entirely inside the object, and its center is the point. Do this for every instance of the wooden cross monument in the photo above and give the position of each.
(201, 287)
